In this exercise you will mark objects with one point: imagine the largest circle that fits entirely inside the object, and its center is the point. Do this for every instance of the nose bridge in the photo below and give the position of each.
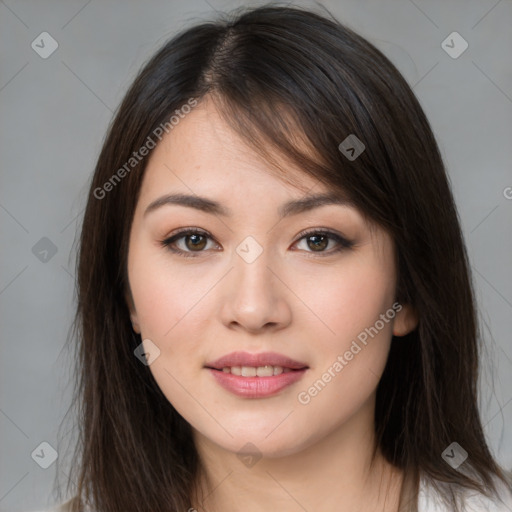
(255, 297)
(253, 279)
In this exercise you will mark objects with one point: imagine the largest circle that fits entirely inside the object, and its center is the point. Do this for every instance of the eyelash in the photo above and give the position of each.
(343, 243)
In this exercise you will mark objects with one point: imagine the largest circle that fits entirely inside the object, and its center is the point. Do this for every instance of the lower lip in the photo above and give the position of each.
(256, 387)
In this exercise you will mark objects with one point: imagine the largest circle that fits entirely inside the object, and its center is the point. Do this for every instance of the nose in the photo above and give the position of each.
(255, 296)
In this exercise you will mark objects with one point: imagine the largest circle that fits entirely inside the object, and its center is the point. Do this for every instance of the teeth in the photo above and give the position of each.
(252, 371)
(264, 371)
(249, 371)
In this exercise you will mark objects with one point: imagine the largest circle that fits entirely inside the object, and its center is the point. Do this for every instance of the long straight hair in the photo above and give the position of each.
(292, 83)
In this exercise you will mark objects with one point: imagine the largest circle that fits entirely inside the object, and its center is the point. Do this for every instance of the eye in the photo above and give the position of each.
(318, 240)
(195, 240)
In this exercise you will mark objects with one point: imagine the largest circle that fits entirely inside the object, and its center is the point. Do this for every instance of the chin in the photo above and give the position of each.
(276, 445)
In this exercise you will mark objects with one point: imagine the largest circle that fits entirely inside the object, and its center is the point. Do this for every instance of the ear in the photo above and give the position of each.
(406, 320)
(133, 312)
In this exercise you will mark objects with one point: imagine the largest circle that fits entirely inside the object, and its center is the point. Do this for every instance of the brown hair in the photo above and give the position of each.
(276, 73)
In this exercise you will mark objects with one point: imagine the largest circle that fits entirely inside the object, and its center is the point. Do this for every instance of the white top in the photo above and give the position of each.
(428, 501)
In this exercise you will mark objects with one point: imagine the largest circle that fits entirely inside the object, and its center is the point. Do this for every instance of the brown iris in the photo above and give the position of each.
(197, 243)
(318, 244)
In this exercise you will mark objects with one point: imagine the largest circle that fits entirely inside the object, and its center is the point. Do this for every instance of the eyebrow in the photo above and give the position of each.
(213, 207)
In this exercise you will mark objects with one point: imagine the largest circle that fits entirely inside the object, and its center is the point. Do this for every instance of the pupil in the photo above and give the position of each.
(317, 244)
(198, 244)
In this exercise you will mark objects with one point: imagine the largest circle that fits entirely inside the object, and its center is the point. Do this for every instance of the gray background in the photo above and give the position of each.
(54, 113)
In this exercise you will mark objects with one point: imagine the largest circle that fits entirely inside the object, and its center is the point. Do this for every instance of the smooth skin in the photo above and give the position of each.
(301, 299)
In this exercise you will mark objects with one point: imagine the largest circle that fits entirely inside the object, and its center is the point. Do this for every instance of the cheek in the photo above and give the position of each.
(352, 351)
(344, 302)
(166, 300)
(171, 313)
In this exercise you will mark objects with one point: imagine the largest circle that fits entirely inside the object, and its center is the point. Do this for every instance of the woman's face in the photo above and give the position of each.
(251, 284)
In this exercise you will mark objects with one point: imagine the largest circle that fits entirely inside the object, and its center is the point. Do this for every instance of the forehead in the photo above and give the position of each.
(203, 151)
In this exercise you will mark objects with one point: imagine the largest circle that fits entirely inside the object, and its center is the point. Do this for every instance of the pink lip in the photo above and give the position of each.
(262, 359)
(256, 387)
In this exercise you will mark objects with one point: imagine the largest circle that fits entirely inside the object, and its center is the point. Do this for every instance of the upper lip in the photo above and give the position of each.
(262, 359)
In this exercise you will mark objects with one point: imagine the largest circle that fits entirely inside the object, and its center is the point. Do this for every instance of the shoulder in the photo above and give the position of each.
(429, 499)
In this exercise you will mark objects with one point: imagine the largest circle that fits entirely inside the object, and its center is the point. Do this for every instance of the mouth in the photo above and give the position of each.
(256, 371)
(256, 375)
(264, 364)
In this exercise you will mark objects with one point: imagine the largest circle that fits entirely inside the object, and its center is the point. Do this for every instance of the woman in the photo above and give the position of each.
(274, 298)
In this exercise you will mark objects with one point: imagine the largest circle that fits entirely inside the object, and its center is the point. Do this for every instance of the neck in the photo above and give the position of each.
(339, 472)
